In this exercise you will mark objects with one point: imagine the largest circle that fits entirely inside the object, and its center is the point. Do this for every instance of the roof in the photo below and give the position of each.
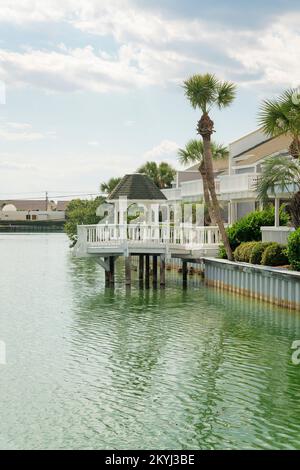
(62, 205)
(262, 150)
(220, 165)
(25, 205)
(137, 187)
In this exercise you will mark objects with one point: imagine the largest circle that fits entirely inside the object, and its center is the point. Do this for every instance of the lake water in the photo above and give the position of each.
(95, 368)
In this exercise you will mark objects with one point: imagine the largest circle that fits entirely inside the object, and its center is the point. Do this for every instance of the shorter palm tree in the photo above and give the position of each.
(163, 174)
(281, 174)
(194, 153)
(282, 116)
(110, 185)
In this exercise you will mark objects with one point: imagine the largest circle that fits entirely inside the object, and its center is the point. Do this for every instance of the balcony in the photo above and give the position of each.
(238, 183)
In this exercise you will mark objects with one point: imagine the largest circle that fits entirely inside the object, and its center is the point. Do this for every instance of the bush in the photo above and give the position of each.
(222, 252)
(248, 228)
(243, 252)
(258, 251)
(293, 250)
(275, 255)
(81, 211)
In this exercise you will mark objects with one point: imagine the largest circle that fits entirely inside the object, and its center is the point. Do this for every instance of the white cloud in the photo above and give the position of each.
(19, 132)
(94, 143)
(272, 54)
(153, 48)
(84, 69)
(129, 123)
(166, 149)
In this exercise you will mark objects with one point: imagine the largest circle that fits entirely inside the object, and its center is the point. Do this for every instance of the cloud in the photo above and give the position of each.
(129, 123)
(94, 143)
(166, 149)
(152, 48)
(19, 132)
(272, 54)
(83, 69)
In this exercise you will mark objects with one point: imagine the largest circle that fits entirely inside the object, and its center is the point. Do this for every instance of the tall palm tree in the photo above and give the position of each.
(110, 185)
(162, 174)
(205, 92)
(194, 153)
(282, 116)
(280, 173)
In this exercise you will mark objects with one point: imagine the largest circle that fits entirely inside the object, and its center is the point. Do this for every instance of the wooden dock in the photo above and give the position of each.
(153, 244)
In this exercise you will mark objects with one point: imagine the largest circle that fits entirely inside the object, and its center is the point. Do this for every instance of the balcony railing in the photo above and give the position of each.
(238, 183)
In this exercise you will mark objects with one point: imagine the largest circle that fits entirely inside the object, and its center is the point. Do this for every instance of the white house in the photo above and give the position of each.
(235, 178)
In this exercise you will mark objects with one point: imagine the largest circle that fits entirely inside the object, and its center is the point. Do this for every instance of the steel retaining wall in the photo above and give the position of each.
(277, 286)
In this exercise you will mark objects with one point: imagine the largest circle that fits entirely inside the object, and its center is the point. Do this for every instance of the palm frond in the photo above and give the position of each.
(226, 94)
(194, 150)
(201, 90)
(219, 151)
(278, 172)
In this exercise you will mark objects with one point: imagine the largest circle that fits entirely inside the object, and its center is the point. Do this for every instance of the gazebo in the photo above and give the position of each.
(137, 193)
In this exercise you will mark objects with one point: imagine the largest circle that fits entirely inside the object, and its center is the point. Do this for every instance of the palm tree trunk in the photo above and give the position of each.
(205, 129)
(207, 200)
(294, 209)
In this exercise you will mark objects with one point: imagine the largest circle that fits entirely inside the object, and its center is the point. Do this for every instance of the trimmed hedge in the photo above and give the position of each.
(243, 252)
(275, 255)
(267, 254)
(293, 250)
(258, 251)
(248, 228)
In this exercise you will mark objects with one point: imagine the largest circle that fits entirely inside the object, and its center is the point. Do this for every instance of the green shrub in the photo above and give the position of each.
(222, 252)
(243, 252)
(258, 251)
(248, 228)
(275, 255)
(293, 250)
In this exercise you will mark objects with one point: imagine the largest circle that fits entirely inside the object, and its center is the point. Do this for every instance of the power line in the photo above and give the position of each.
(56, 196)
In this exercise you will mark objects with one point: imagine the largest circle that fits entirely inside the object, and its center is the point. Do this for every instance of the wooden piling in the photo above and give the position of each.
(128, 270)
(162, 270)
(147, 272)
(106, 272)
(111, 272)
(154, 270)
(184, 273)
(141, 268)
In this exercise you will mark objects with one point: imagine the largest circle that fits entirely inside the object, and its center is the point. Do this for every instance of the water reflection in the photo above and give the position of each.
(208, 367)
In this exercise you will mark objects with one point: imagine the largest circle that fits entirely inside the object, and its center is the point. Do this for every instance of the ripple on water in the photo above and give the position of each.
(169, 369)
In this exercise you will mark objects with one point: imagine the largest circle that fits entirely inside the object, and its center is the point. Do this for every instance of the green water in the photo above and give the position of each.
(167, 369)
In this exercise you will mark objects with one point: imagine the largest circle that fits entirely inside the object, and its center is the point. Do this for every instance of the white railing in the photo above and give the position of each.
(100, 235)
(237, 183)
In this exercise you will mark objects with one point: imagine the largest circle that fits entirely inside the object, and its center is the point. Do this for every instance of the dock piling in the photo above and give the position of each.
(184, 273)
(154, 270)
(162, 270)
(147, 272)
(128, 270)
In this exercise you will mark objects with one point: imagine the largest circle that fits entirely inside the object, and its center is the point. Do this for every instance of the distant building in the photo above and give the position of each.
(16, 210)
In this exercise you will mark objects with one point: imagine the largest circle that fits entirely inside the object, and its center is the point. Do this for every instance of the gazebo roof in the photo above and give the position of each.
(137, 187)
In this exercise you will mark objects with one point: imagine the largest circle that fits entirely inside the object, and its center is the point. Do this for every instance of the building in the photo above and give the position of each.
(16, 210)
(235, 178)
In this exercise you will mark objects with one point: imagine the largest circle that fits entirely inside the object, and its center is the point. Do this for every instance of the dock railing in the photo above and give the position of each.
(111, 234)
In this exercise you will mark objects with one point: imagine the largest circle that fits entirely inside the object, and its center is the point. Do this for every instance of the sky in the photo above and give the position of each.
(91, 89)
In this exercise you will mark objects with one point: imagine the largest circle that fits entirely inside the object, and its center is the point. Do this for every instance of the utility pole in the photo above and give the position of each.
(46, 201)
